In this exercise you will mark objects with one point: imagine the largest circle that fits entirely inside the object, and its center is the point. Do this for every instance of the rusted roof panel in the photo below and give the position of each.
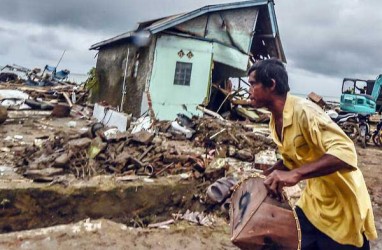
(214, 12)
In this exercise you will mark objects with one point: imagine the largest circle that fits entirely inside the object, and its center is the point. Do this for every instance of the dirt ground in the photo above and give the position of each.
(105, 234)
(370, 162)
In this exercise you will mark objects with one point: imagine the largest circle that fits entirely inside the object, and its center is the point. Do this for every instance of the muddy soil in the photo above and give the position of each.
(105, 234)
(370, 162)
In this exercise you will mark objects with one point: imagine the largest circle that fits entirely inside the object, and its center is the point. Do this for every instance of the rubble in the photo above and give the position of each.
(220, 190)
(58, 139)
(153, 154)
(112, 118)
(46, 92)
(265, 159)
(198, 218)
(163, 225)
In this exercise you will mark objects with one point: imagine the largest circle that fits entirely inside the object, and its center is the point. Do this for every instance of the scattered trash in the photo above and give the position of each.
(143, 123)
(221, 189)
(162, 225)
(72, 124)
(18, 137)
(111, 118)
(186, 131)
(111, 134)
(198, 218)
(148, 180)
(185, 175)
(127, 178)
(265, 159)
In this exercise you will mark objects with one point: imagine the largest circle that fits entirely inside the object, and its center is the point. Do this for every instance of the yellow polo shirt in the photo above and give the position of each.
(337, 204)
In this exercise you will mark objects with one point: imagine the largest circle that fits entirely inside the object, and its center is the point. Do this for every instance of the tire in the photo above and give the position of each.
(363, 141)
(351, 129)
(362, 136)
(376, 139)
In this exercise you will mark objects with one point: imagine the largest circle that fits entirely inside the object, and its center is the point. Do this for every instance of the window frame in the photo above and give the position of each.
(183, 72)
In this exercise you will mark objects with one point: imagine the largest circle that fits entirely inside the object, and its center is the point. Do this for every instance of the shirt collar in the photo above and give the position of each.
(287, 118)
(288, 110)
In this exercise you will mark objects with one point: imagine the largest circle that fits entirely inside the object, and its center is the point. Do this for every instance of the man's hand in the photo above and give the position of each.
(278, 179)
(278, 166)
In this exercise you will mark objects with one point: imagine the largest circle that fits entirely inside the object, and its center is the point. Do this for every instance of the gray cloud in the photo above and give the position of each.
(327, 39)
(334, 38)
(108, 16)
(50, 39)
(33, 45)
(6, 41)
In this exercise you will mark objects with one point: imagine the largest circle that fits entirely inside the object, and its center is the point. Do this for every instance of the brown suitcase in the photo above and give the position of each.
(260, 222)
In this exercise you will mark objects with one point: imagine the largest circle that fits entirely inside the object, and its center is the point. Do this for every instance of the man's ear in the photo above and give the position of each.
(273, 86)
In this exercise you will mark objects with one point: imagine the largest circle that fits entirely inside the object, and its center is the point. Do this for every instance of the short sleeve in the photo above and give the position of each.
(322, 132)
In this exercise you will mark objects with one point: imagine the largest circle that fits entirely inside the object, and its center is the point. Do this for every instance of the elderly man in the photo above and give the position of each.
(334, 210)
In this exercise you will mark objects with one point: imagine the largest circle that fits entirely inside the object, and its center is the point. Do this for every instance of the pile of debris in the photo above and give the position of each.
(22, 89)
(234, 104)
(57, 101)
(35, 77)
(160, 151)
(149, 147)
(16, 97)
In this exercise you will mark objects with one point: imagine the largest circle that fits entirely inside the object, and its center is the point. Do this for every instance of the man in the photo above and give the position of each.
(334, 210)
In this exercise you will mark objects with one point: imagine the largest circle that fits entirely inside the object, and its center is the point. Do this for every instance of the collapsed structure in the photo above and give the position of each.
(172, 64)
(168, 66)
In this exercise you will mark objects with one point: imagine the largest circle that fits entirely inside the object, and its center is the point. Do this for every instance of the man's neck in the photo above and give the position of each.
(277, 106)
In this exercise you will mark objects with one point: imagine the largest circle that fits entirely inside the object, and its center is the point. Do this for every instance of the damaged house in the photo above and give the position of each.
(172, 64)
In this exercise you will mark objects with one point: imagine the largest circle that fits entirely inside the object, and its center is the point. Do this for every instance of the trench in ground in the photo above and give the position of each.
(28, 205)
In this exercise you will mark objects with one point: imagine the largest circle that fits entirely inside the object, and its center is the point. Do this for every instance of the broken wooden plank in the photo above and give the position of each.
(20, 114)
(209, 112)
(66, 96)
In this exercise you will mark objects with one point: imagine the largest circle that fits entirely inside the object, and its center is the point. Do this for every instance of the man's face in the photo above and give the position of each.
(258, 94)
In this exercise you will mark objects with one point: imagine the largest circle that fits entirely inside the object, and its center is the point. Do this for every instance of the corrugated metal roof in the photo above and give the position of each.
(170, 21)
(112, 40)
(165, 24)
(146, 24)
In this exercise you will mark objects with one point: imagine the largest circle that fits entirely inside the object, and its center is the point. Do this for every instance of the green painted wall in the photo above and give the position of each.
(230, 57)
(167, 98)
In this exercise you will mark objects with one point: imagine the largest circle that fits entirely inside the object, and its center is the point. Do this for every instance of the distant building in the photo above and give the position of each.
(178, 59)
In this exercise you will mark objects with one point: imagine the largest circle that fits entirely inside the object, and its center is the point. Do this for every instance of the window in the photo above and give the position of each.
(182, 73)
(360, 101)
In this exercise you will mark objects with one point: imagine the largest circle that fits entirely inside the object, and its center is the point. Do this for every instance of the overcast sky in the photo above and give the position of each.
(324, 41)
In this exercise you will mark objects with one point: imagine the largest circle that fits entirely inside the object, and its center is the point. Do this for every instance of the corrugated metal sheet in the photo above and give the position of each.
(155, 28)
(230, 56)
(172, 21)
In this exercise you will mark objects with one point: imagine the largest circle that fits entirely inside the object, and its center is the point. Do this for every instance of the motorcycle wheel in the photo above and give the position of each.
(362, 136)
(363, 141)
(351, 129)
(377, 138)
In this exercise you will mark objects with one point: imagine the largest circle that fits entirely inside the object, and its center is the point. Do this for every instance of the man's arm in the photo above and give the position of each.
(279, 165)
(326, 165)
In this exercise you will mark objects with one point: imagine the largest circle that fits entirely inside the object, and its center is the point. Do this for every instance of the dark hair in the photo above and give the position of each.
(271, 69)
